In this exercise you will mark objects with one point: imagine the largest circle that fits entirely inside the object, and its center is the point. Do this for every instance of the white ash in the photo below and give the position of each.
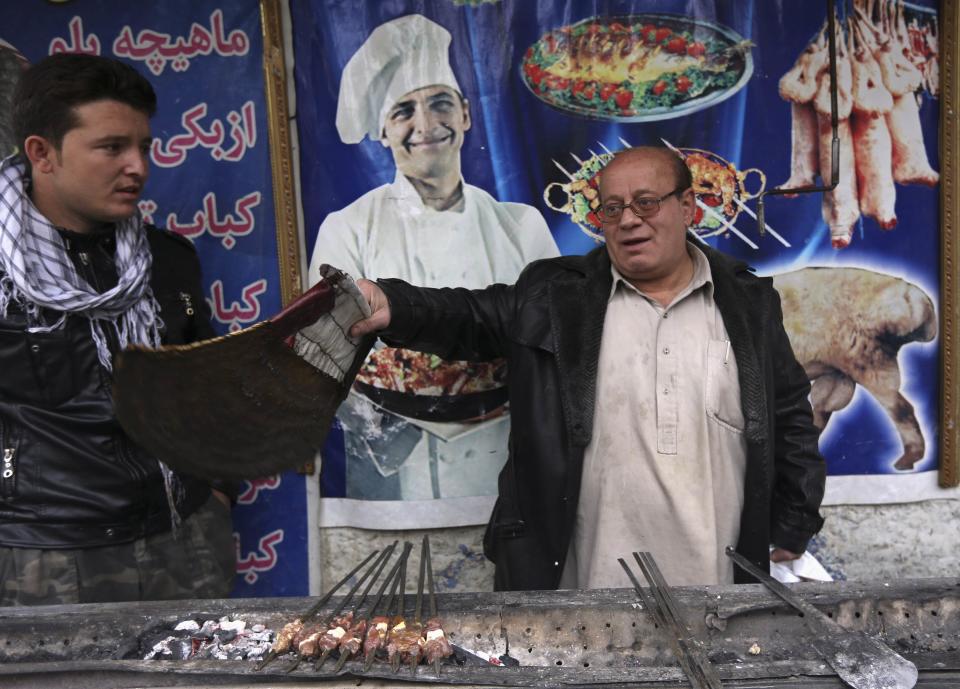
(222, 639)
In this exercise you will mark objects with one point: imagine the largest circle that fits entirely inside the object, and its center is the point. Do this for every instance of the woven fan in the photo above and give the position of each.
(251, 403)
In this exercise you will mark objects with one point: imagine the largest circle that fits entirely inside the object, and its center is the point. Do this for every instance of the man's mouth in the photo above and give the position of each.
(131, 190)
(427, 143)
(635, 241)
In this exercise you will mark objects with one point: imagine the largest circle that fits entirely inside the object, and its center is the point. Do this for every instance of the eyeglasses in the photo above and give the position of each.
(642, 207)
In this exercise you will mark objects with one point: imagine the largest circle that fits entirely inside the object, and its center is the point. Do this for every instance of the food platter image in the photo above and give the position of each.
(638, 67)
(427, 388)
(720, 189)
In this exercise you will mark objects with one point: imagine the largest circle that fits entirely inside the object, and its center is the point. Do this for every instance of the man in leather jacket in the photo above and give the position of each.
(656, 400)
(85, 514)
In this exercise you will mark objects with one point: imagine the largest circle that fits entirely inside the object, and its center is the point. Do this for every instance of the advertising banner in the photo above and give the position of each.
(210, 181)
(449, 143)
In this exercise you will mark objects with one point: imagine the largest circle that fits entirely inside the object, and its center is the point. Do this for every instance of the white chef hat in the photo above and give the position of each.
(400, 56)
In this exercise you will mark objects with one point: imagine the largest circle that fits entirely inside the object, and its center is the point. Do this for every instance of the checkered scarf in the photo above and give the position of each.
(38, 274)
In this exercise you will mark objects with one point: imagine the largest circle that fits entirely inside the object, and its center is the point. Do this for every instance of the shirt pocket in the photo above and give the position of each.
(722, 392)
(38, 367)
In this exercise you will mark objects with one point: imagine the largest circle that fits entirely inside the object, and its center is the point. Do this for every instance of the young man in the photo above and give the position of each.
(657, 404)
(86, 515)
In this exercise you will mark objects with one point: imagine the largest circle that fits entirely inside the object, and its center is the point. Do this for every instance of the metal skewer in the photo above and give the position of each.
(418, 608)
(705, 674)
(319, 604)
(344, 655)
(432, 595)
(401, 608)
(393, 577)
(679, 650)
(346, 599)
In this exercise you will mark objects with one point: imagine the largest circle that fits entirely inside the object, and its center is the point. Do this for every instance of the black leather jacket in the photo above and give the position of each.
(70, 477)
(549, 325)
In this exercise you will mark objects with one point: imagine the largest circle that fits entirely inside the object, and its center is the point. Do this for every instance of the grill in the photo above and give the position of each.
(560, 638)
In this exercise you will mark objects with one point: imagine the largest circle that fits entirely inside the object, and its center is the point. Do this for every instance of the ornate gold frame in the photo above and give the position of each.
(949, 252)
(281, 155)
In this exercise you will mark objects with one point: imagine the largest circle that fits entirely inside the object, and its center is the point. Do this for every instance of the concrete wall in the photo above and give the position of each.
(857, 543)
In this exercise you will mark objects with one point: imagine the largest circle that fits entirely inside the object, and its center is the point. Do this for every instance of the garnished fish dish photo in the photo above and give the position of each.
(637, 67)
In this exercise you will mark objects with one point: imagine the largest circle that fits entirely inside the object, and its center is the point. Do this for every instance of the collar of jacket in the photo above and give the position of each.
(578, 306)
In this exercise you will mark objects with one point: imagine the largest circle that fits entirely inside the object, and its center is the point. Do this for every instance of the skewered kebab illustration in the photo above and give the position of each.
(285, 637)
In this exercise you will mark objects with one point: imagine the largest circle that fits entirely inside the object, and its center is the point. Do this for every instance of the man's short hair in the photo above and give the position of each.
(48, 92)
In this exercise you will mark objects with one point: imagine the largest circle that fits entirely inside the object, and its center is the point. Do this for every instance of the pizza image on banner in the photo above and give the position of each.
(637, 68)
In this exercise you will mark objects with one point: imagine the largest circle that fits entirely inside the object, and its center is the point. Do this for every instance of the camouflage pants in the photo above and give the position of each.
(198, 563)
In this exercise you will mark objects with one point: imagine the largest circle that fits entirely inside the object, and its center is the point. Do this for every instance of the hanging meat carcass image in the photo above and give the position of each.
(847, 326)
(884, 64)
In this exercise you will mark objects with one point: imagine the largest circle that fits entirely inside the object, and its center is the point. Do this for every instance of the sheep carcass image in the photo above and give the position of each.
(847, 326)
(884, 63)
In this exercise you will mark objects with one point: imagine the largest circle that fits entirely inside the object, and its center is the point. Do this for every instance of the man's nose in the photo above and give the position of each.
(424, 119)
(629, 219)
(138, 164)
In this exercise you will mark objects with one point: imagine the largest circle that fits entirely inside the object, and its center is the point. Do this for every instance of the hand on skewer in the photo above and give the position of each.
(379, 307)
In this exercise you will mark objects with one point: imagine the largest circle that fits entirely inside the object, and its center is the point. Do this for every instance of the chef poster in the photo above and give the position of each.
(449, 142)
(210, 181)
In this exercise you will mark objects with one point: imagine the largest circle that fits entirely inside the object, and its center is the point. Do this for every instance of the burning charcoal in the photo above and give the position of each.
(187, 626)
(257, 628)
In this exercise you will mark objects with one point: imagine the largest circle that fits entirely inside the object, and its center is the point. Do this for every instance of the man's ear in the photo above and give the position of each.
(41, 153)
(466, 115)
(689, 202)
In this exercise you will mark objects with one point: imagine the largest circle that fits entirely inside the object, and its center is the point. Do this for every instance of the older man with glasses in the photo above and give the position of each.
(657, 404)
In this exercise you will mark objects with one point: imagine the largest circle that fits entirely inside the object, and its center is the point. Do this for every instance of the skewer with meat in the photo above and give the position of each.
(378, 629)
(376, 638)
(871, 138)
(285, 637)
(330, 639)
(403, 644)
(436, 647)
(306, 641)
(292, 634)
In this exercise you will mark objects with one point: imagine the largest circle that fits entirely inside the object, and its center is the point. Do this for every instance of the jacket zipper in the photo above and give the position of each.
(187, 303)
(9, 471)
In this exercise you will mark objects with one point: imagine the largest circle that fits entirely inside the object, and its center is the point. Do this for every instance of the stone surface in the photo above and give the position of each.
(866, 542)
(456, 554)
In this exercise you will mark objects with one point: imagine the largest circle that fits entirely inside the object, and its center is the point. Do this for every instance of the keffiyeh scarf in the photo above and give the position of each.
(37, 274)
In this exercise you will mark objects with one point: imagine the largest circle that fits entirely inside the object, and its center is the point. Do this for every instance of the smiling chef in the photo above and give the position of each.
(428, 227)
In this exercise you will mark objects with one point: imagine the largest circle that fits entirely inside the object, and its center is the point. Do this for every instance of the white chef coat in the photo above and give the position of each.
(389, 233)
